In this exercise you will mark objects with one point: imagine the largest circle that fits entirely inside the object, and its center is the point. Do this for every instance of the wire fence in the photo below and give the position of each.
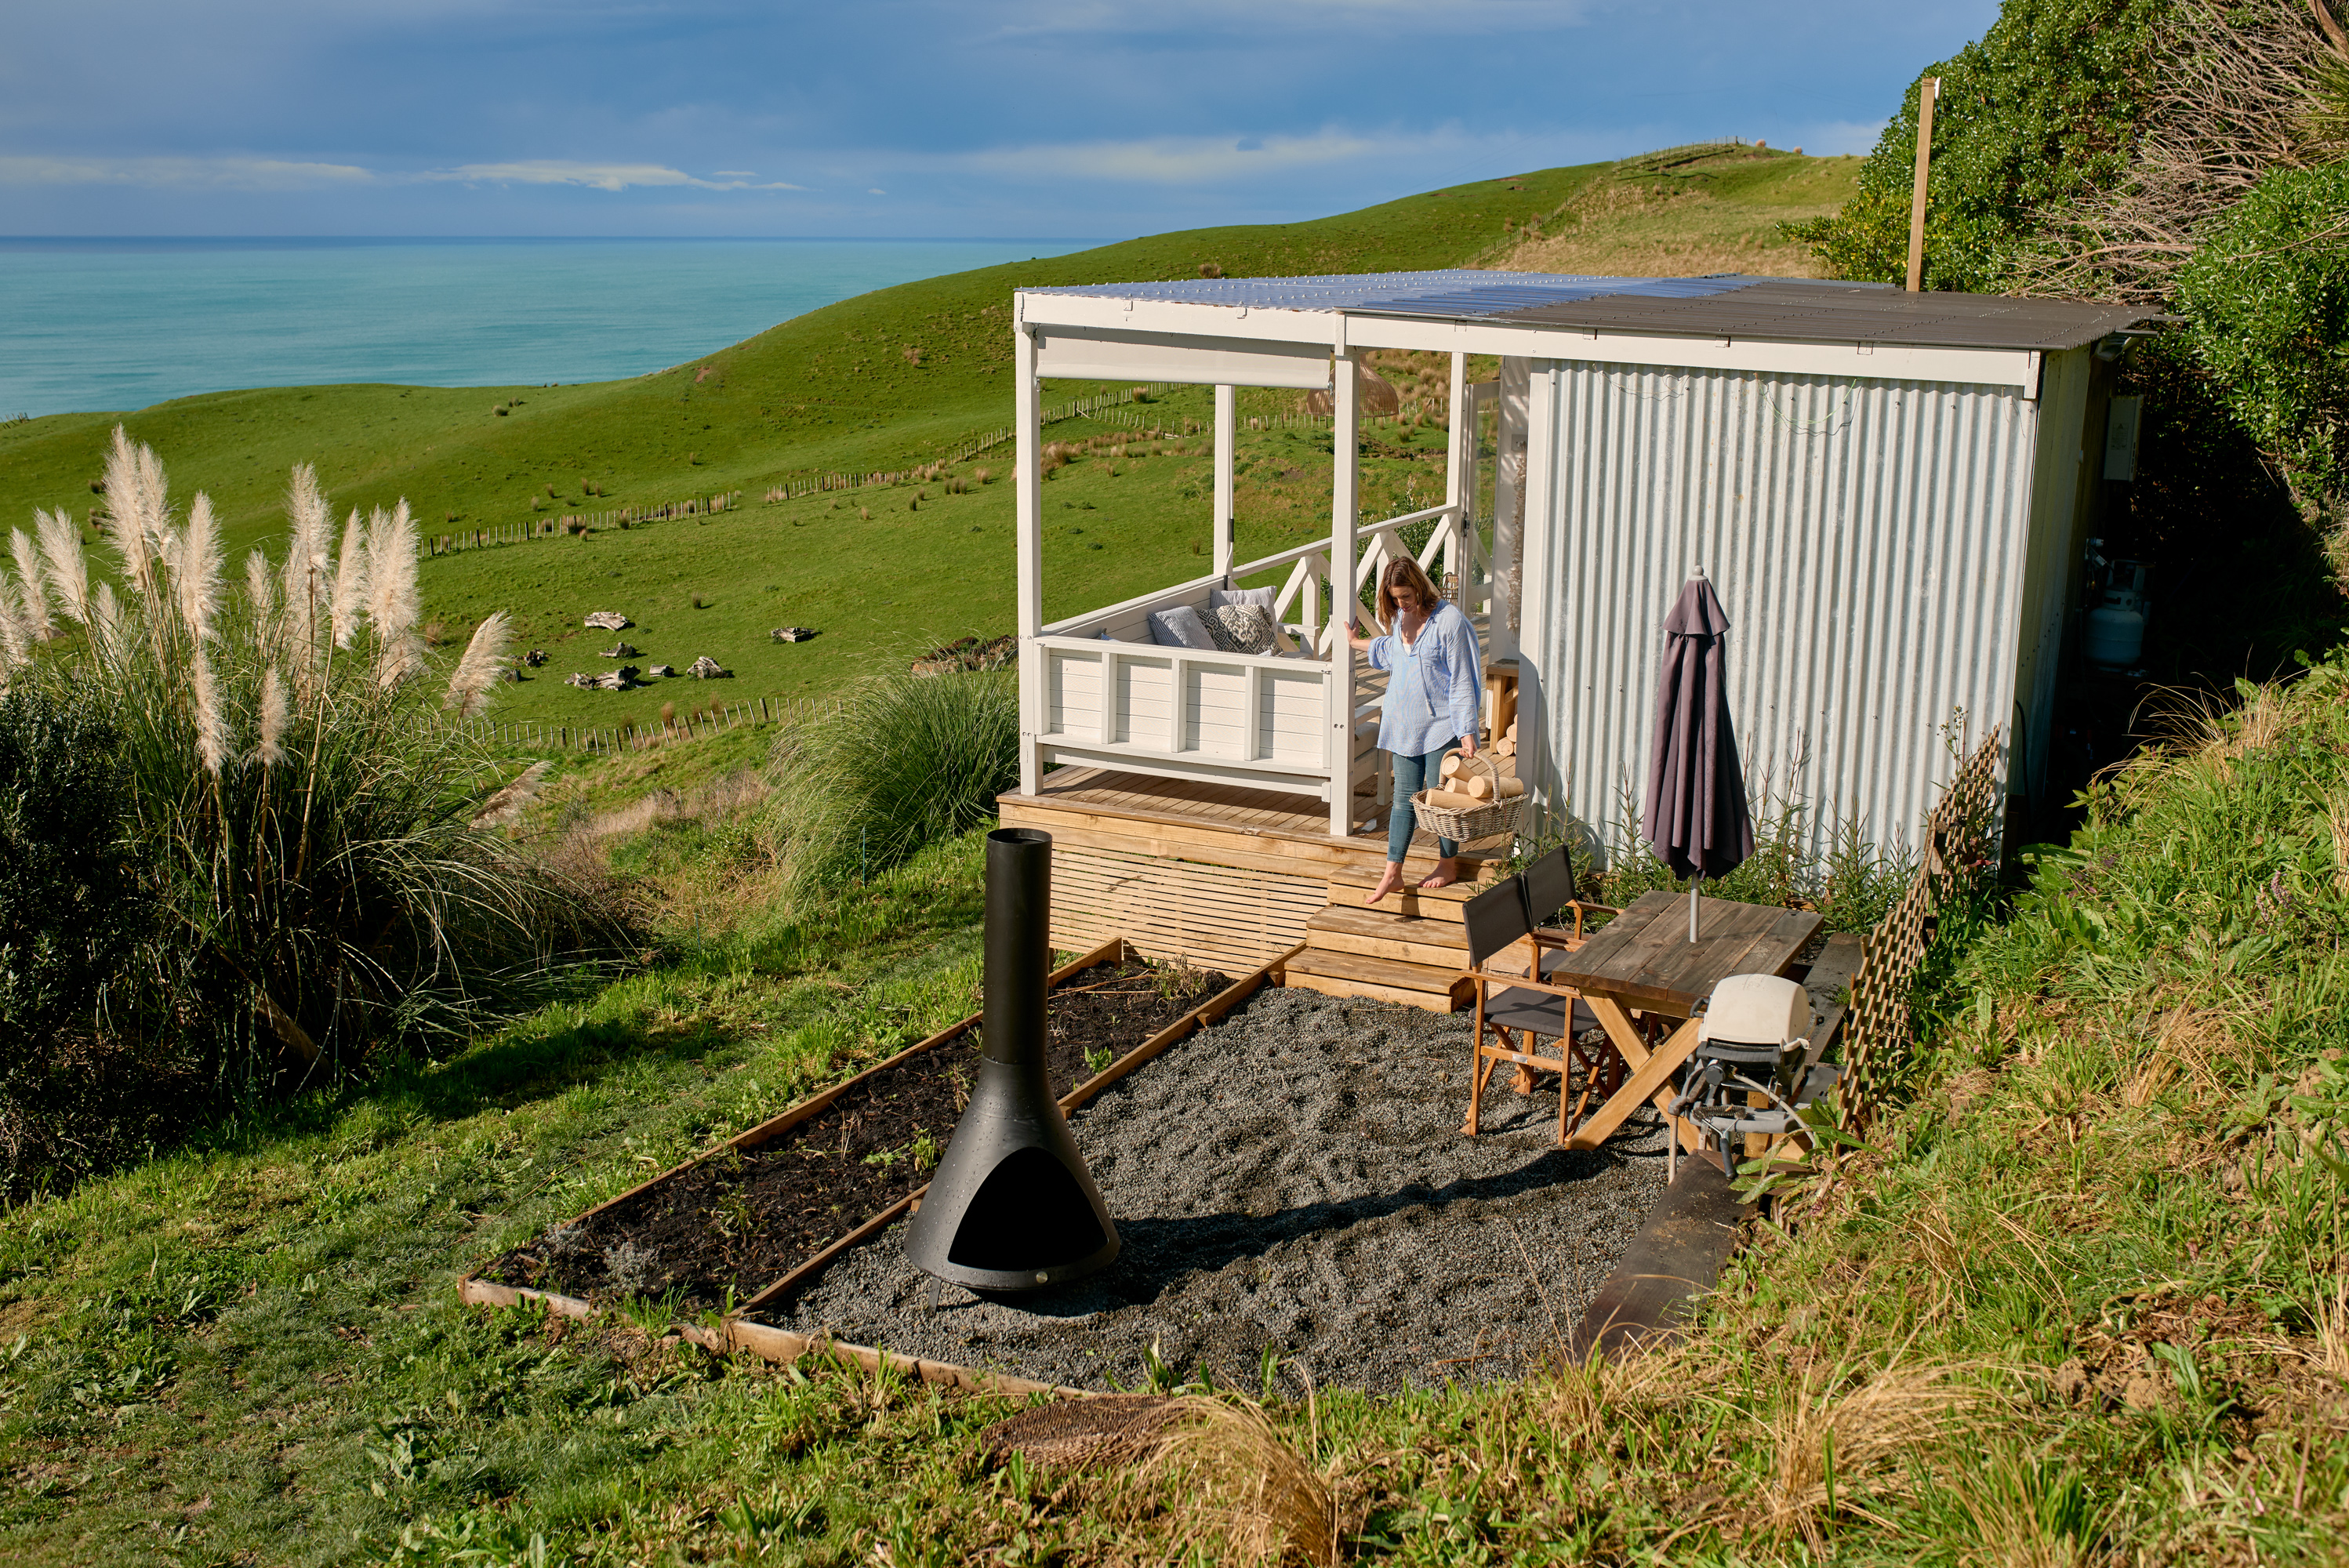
(712, 719)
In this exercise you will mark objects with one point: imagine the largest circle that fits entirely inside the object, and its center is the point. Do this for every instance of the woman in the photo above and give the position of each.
(1433, 692)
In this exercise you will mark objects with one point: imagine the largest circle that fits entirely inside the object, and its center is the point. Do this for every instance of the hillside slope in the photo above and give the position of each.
(878, 382)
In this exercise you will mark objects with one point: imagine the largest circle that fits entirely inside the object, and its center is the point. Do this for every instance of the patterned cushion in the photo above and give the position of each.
(1240, 628)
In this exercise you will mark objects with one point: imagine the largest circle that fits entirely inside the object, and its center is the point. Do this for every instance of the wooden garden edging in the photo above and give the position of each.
(785, 1344)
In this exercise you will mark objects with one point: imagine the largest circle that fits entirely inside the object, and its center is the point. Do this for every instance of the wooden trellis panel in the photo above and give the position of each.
(1961, 846)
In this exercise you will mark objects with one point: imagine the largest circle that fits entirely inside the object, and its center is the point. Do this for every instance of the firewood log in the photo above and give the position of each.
(1452, 801)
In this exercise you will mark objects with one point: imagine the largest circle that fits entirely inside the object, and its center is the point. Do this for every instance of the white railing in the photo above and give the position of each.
(1107, 696)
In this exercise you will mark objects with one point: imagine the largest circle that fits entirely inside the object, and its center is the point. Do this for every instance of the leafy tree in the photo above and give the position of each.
(2041, 110)
(2267, 293)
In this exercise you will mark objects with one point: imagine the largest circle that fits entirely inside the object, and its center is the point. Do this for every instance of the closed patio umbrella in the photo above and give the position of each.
(1696, 819)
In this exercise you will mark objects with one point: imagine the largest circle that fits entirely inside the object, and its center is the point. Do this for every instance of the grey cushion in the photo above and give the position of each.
(1240, 628)
(1180, 628)
(1261, 598)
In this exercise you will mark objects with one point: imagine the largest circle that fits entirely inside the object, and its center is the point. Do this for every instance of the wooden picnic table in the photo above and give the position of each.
(1644, 961)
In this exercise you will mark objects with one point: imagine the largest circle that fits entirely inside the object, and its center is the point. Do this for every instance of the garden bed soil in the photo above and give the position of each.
(717, 1231)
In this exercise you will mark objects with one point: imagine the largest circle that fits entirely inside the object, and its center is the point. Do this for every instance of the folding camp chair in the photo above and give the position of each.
(1507, 1004)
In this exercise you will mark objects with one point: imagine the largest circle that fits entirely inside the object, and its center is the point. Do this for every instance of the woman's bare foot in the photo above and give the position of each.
(1445, 873)
(1388, 882)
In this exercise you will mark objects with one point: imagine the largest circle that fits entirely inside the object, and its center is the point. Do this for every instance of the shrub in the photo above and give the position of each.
(315, 886)
(72, 919)
(2268, 295)
(904, 761)
(2043, 108)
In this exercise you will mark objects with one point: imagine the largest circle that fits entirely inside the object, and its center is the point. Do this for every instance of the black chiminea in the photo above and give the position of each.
(1012, 1207)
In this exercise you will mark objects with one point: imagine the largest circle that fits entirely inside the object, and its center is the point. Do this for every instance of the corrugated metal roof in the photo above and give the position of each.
(1732, 305)
(1457, 292)
(1802, 310)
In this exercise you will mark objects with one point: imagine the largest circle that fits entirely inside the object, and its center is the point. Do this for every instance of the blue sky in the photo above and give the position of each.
(887, 118)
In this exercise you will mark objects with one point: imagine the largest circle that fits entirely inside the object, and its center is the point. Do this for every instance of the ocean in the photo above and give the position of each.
(122, 323)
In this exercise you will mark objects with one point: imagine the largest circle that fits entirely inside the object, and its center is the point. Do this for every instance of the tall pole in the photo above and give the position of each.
(1226, 440)
(1927, 92)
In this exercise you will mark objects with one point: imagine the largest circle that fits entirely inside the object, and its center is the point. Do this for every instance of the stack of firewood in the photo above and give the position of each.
(1463, 785)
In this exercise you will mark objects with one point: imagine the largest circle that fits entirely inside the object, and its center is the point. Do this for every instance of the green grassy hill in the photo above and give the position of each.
(883, 381)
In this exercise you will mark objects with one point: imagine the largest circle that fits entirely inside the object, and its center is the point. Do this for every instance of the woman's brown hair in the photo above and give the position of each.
(1403, 572)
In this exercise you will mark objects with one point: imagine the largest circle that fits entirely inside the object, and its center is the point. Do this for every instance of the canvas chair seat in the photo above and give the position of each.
(1543, 1012)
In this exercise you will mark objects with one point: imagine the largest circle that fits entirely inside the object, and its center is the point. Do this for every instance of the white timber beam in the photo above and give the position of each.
(1227, 441)
(1345, 506)
(1027, 493)
(1230, 331)
(1459, 474)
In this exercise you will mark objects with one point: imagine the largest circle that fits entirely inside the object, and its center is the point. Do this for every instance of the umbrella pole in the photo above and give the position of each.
(1694, 883)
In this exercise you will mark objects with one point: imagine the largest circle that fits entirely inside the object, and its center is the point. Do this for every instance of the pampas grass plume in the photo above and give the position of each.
(197, 570)
(36, 620)
(136, 510)
(13, 650)
(212, 719)
(391, 593)
(305, 555)
(469, 687)
(350, 582)
(274, 712)
(68, 572)
(258, 586)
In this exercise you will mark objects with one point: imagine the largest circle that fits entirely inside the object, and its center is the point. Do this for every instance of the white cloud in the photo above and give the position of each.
(734, 174)
(596, 176)
(876, 190)
(1179, 160)
(206, 174)
(1256, 18)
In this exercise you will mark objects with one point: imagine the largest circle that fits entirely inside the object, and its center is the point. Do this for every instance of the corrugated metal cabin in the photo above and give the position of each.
(1890, 492)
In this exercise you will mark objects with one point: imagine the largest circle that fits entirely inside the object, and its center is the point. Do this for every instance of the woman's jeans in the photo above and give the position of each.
(1412, 774)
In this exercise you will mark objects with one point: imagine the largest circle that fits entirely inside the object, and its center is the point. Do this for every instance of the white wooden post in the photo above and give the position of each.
(1459, 480)
(1227, 406)
(1509, 507)
(1345, 503)
(1028, 488)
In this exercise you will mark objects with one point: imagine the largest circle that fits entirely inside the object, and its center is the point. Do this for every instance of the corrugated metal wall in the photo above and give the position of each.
(1868, 539)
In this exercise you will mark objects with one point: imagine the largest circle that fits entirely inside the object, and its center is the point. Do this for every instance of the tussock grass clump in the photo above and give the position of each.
(904, 760)
(302, 820)
(1239, 1486)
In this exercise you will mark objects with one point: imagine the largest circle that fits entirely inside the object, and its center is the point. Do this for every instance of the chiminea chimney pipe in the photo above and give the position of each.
(1012, 1207)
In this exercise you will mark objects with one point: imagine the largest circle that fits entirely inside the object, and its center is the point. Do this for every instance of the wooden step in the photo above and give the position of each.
(1371, 934)
(1476, 876)
(1424, 986)
(1408, 901)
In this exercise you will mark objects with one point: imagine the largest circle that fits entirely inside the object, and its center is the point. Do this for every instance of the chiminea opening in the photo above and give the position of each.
(1012, 1207)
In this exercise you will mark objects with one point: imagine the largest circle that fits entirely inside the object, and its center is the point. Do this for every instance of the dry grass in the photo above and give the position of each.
(1830, 1449)
(2331, 1317)
(1624, 227)
(1233, 1482)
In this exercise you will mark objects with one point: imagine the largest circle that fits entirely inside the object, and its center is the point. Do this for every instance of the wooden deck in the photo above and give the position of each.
(1227, 877)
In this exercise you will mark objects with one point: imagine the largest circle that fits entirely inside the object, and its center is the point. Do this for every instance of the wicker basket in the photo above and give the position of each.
(1484, 820)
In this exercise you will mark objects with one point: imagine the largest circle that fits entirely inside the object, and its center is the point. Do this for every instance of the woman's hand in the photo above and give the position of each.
(1467, 745)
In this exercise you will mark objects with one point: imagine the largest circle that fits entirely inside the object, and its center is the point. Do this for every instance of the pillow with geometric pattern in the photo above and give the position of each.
(1240, 628)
